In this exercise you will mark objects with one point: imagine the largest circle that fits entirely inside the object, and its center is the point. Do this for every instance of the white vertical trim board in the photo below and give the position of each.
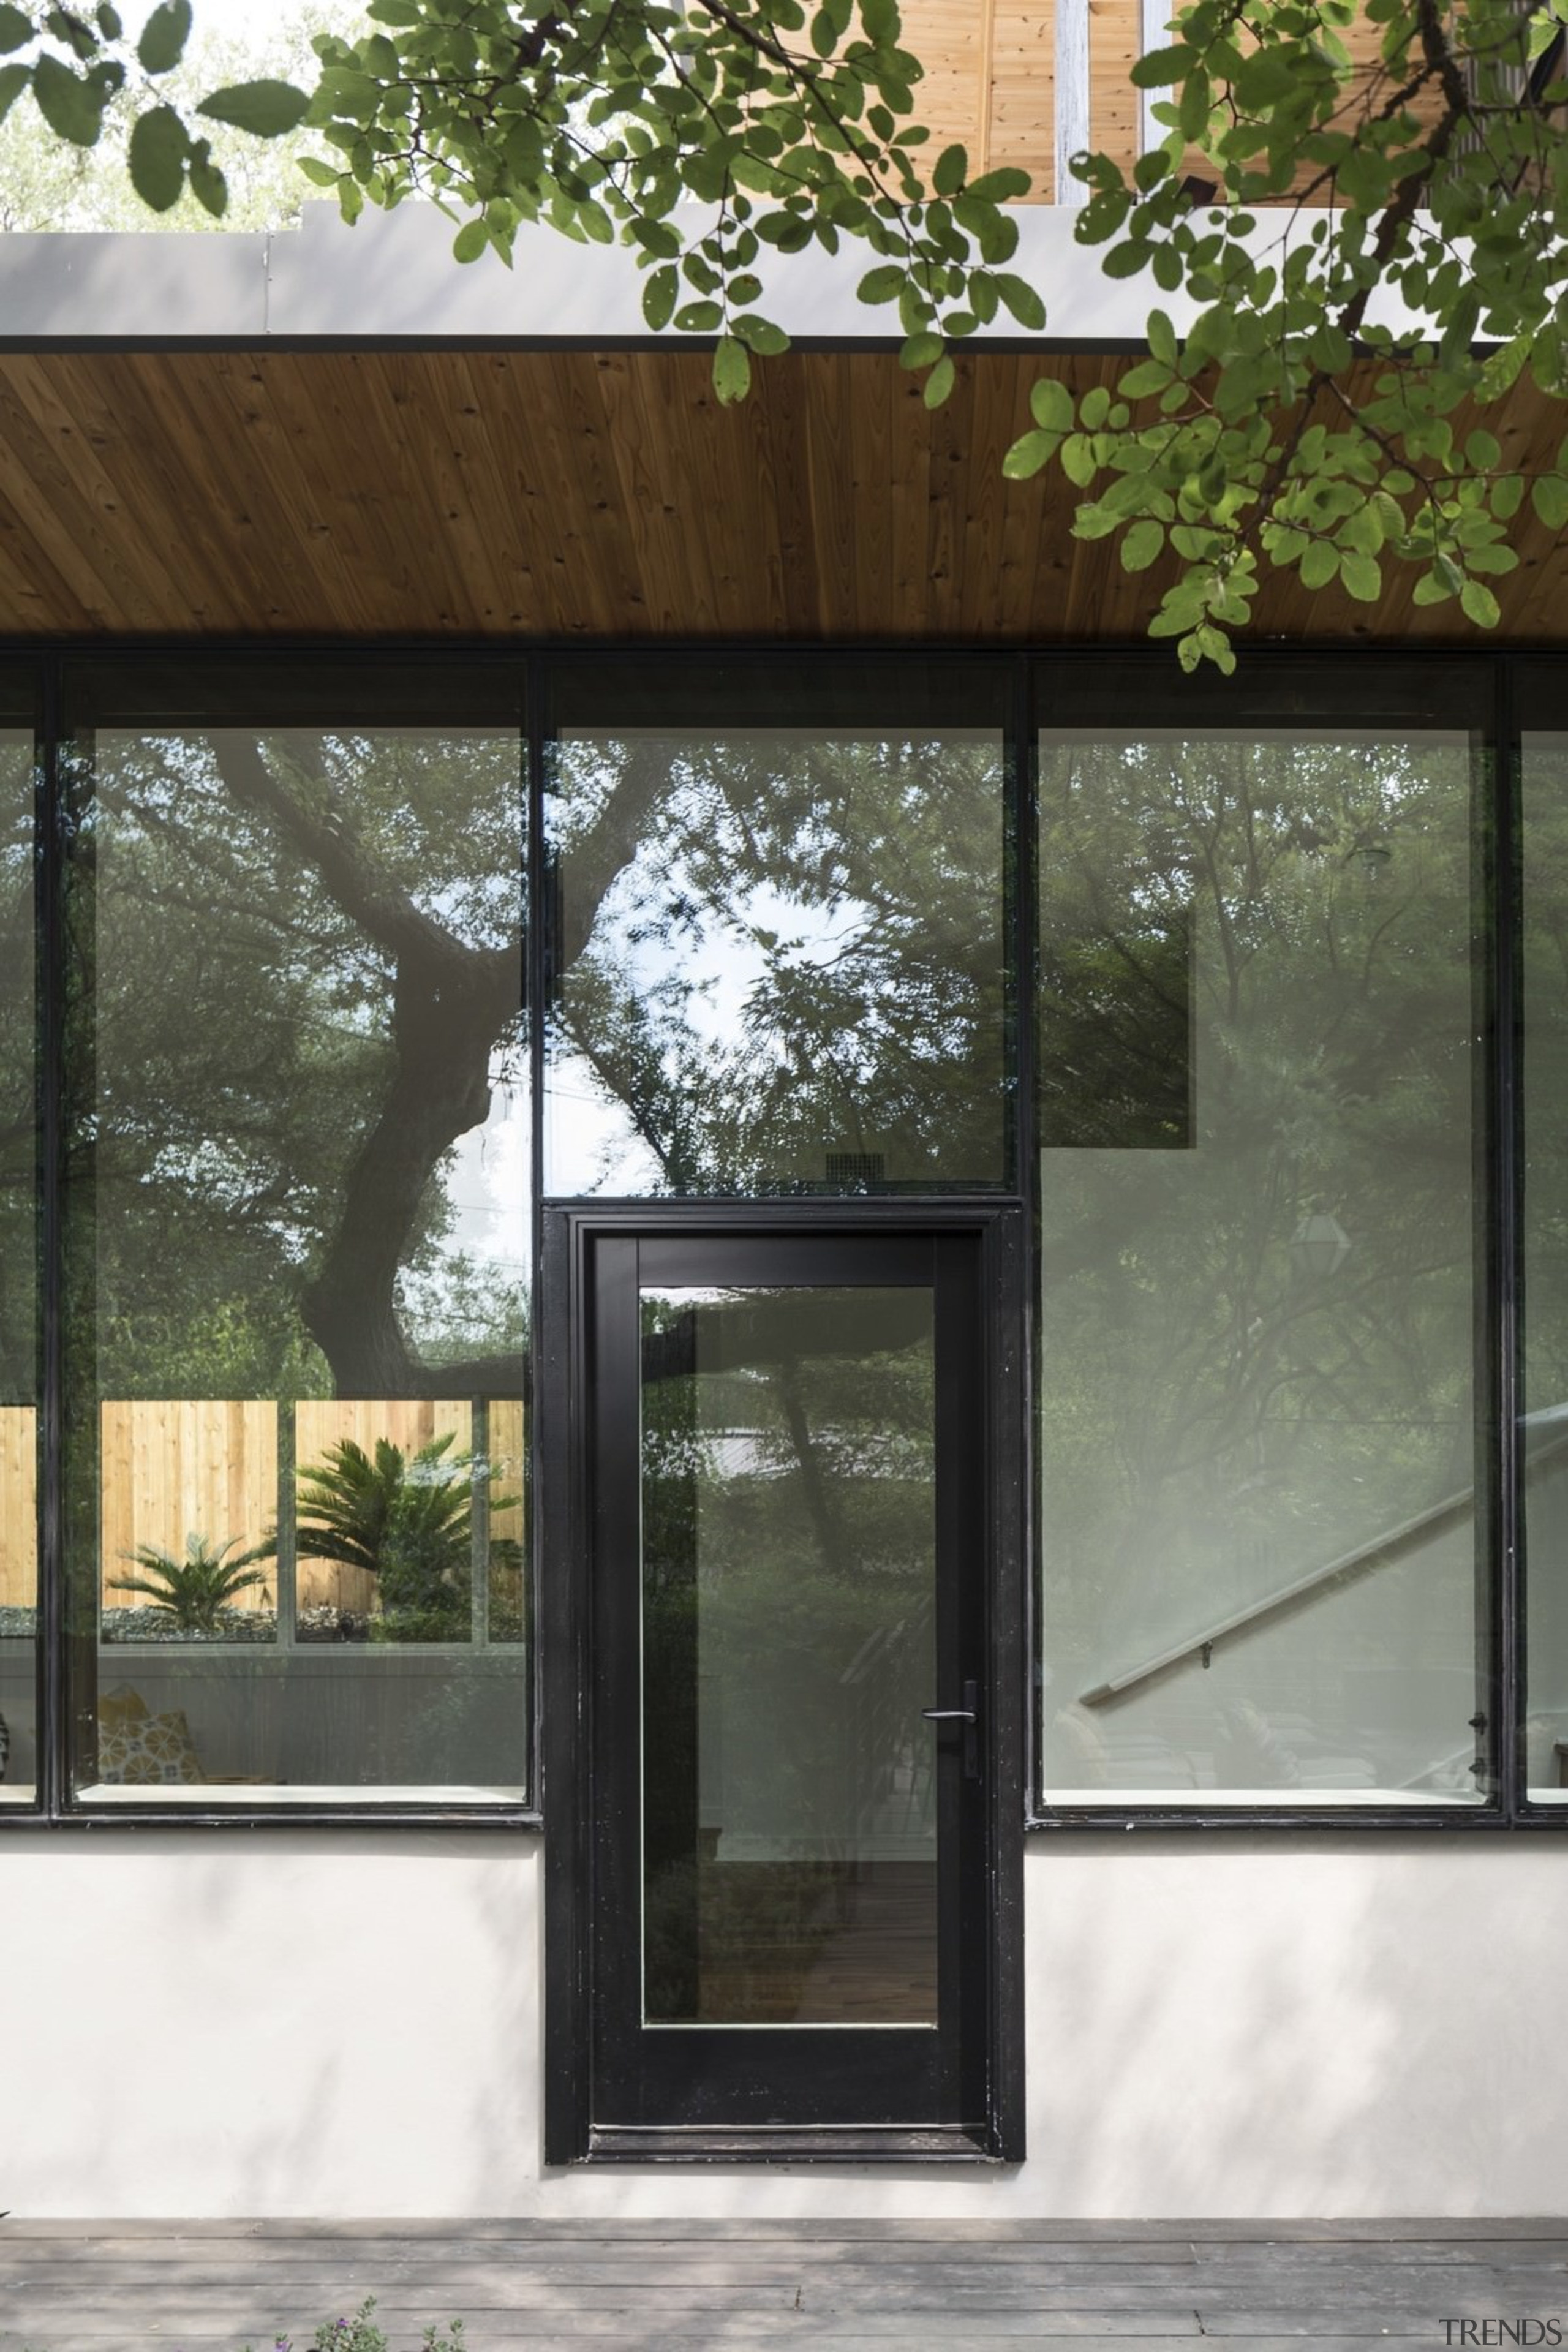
(1073, 124)
(1156, 27)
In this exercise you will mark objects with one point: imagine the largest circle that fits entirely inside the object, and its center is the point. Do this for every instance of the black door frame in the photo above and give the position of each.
(569, 1798)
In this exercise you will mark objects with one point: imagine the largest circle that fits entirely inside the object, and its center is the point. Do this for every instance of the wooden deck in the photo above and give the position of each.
(79, 2287)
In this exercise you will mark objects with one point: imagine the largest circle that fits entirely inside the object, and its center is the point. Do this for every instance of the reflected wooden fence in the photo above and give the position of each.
(215, 1467)
(18, 1506)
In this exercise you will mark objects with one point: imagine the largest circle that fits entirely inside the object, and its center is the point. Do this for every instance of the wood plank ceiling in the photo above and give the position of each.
(584, 495)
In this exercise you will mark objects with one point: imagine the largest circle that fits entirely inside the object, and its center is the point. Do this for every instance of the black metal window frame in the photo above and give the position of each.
(1028, 667)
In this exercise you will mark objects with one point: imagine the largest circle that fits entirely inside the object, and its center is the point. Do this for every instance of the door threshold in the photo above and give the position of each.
(785, 2144)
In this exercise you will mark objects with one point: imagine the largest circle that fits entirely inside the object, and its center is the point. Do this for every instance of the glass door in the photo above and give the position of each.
(790, 1922)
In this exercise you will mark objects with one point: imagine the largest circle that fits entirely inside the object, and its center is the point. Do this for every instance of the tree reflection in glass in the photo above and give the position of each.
(297, 1194)
(780, 961)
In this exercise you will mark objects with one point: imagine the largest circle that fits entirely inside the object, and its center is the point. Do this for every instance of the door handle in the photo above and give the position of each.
(968, 1716)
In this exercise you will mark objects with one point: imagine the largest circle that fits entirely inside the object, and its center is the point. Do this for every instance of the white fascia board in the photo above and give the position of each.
(392, 275)
(113, 287)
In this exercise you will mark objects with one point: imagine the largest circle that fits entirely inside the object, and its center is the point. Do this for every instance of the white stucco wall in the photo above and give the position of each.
(311, 2023)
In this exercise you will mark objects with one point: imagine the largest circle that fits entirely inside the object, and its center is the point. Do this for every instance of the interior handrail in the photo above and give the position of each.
(1385, 1549)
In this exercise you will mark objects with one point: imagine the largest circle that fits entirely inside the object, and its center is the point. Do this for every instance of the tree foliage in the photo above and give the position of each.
(88, 77)
(49, 183)
(793, 126)
(1334, 403)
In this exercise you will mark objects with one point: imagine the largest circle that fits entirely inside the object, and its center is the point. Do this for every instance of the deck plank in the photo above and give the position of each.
(659, 2285)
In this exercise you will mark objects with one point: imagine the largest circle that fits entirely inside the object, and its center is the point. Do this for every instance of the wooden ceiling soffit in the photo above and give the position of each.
(591, 494)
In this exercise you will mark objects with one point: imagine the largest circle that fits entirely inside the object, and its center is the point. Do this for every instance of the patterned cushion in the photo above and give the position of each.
(136, 1747)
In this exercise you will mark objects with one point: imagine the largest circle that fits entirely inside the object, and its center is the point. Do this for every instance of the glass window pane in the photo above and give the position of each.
(18, 1286)
(1545, 1319)
(788, 1610)
(1257, 1314)
(298, 1236)
(779, 949)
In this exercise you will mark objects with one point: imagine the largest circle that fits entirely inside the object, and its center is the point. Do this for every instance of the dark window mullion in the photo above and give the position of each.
(53, 1762)
(536, 949)
(1506, 1283)
(1026, 770)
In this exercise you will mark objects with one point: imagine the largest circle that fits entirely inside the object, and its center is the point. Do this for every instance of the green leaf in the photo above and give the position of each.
(13, 80)
(1362, 575)
(109, 21)
(471, 241)
(983, 296)
(16, 29)
(1319, 565)
(1052, 404)
(1142, 381)
(1549, 497)
(1029, 454)
(997, 187)
(731, 370)
(1479, 605)
(266, 109)
(1265, 77)
(948, 173)
(1431, 589)
(699, 318)
(1162, 338)
(823, 34)
(939, 383)
(881, 284)
(158, 146)
(1079, 461)
(1160, 68)
(208, 186)
(1482, 451)
(1021, 300)
(659, 296)
(1194, 105)
(72, 107)
(921, 350)
(1143, 544)
(761, 335)
(1095, 519)
(164, 36)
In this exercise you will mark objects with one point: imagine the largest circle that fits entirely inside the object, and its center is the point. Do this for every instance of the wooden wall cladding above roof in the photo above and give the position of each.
(587, 495)
(991, 73)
